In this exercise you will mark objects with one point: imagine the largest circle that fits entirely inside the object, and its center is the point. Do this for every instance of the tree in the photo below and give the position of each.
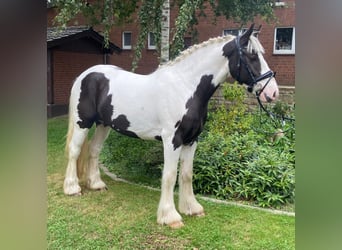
(153, 16)
(165, 33)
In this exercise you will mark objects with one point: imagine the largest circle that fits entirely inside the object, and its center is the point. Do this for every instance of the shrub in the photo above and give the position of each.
(133, 159)
(238, 161)
(241, 168)
(225, 120)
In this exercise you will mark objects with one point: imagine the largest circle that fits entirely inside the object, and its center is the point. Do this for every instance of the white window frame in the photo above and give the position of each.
(124, 44)
(226, 31)
(149, 41)
(239, 31)
(291, 51)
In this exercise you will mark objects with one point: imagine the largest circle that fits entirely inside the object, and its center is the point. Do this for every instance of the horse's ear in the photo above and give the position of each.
(245, 36)
(259, 28)
(257, 31)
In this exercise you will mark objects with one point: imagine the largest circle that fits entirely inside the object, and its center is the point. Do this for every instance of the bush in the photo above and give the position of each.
(239, 167)
(133, 159)
(244, 160)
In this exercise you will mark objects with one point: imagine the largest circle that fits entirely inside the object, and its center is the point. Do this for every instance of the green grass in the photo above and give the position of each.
(124, 217)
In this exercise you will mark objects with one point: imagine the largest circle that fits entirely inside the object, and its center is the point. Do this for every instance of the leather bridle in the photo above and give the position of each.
(269, 74)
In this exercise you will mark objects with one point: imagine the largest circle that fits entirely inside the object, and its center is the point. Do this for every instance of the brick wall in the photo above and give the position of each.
(286, 95)
(284, 65)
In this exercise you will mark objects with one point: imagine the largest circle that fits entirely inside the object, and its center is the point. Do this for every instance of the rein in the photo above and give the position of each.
(269, 74)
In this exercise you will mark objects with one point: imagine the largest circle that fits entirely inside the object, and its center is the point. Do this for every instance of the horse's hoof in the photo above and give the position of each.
(97, 185)
(73, 191)
(102, 189)
(74, 194)
(176, 225)
(201, 214)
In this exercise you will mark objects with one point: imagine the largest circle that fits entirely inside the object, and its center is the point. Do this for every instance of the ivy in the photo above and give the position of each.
(149, 21)
(109, 13)
(185, 16)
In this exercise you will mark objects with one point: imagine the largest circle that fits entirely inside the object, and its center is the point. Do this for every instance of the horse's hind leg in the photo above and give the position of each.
(93, 173)
(187, 201)
(74, 145)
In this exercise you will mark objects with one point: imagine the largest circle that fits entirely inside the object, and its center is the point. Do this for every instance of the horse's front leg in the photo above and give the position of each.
(187, 201)
(167, 213)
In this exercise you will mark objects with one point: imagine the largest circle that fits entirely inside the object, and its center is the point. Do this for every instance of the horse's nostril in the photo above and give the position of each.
(268, 99)
(274, 94)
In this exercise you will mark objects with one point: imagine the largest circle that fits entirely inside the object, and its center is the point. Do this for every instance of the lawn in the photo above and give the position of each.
(124, 216)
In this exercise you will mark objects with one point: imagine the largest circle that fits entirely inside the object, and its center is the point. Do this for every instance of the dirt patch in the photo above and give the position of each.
(160, 241)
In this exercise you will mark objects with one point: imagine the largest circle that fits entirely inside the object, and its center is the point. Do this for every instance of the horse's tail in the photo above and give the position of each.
(82, 161)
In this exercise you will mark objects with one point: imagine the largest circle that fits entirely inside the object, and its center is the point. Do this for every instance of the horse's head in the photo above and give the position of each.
(248, 66)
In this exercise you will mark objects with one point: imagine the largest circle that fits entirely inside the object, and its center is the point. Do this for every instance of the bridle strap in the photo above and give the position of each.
(269, 74)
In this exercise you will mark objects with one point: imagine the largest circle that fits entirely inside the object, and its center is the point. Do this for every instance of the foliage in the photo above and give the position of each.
(241, 168)
(105, 13)
(109, 13)
(133, 159)
(149, 17)
(185, 18)
(237, 162)
(236, 119)
(244, 10)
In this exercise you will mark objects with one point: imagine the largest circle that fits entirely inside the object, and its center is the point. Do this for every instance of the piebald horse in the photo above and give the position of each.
(169, 105)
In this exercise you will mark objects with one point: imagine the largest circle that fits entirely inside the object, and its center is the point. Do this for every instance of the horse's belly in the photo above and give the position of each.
(139, 125)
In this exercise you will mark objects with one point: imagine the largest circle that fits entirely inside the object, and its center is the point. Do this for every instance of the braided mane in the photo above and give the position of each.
(253, 46)
(192, 49)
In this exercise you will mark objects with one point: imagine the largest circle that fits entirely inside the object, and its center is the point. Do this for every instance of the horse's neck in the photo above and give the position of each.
(207, 61)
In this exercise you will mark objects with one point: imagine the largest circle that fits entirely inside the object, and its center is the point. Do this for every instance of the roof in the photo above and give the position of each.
(56, 37)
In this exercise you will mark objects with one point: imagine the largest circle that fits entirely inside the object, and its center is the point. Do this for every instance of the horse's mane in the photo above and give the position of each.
(253, 45)
(193, 48)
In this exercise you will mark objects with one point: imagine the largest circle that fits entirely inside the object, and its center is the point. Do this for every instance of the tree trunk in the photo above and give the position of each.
(165, 33)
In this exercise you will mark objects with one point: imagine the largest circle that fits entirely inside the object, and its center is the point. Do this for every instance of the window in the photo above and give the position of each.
(233, 32)
(279, 3)
(284, 40)
(127, 40)
(238, 32)
(151, 43)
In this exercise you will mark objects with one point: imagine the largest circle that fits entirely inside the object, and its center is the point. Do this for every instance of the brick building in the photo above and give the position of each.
(69, 53)
(278, 39)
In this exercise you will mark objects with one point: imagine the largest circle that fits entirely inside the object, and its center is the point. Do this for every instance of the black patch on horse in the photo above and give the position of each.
(158, 138)
(191, 125)
(94, 103)
(237, 63)
(121, 125)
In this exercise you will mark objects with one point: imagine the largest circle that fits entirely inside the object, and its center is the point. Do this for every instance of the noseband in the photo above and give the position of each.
(269, 74)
